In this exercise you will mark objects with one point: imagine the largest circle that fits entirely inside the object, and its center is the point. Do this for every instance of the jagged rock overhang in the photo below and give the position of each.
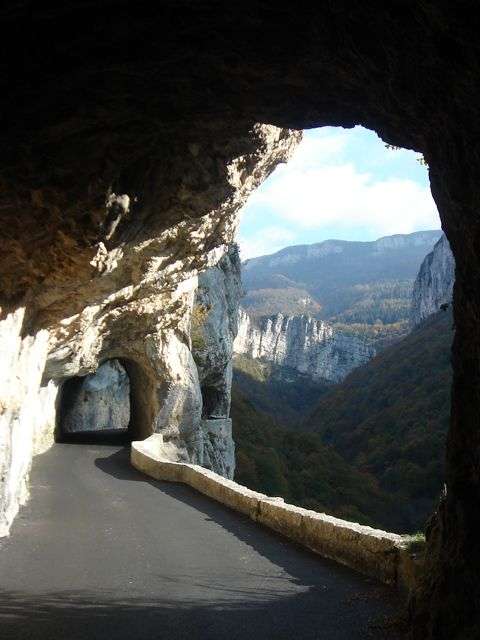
(117, 106)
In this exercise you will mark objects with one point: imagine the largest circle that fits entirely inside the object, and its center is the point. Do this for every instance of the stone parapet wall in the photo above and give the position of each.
(378, 554)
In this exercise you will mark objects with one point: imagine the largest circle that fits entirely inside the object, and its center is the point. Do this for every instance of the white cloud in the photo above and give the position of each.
(264, 241)
(341, 195)
(325, 146)
(339, 183)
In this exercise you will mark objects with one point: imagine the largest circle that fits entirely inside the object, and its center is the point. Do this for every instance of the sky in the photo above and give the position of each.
(340, 183)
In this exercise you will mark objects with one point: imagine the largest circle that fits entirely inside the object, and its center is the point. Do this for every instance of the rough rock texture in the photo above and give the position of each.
(134, 302)
(310, 346)
(98, 401)
(214, 327)
(218, 446)
(27, 411)
(434, 284)
(156, 102)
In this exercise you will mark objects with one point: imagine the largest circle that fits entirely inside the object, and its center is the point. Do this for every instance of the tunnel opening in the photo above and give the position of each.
(215, 401)
(102, 406)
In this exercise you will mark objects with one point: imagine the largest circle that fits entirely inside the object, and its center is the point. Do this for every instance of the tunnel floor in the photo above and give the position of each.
(101, 551)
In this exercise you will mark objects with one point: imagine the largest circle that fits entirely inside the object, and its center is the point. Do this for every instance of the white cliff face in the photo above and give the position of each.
(133, 302)
(214, 327)
(310, 346)
(26, 411)
(434, 283)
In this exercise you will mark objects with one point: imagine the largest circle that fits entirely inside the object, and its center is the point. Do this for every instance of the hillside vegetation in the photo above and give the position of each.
(389, 418)
(304, 471)
(283, 393)
(356, 283)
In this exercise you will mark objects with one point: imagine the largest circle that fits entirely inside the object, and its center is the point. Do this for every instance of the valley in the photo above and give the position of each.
(373, 405)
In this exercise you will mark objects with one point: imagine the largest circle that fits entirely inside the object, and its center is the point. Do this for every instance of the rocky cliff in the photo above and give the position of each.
(156, 103)
(98, 401)
(130, 296)
(214, 327)
(434, 283)
(310, 346)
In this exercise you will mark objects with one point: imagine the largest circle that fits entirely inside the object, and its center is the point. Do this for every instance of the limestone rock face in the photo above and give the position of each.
(98, 401)
(313, 347)
(434, 283)
(27, 411)
(132, 299)
(214, 327)
(219, 447)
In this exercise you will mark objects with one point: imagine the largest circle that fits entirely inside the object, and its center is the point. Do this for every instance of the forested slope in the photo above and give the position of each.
(304, 471)
(283, 393)
(389, 418)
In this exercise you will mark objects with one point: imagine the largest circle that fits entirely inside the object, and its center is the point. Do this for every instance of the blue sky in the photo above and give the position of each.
(340, 183)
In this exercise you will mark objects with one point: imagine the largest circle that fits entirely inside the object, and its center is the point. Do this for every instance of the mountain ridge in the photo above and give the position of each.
(342, 281)
(427, 234)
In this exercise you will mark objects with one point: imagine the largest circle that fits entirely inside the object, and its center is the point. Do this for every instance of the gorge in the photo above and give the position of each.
(132, 136)
(360, 300)
(386, 419)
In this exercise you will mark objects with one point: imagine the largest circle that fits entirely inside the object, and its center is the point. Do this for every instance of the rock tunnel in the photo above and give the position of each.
(131, 146)
(97, 404)
(108, 404)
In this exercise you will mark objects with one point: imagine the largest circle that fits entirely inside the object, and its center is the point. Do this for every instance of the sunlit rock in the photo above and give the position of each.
(310, 346)
(434, 283)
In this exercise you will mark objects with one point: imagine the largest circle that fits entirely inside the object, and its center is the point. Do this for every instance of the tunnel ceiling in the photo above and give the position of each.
(104, 95)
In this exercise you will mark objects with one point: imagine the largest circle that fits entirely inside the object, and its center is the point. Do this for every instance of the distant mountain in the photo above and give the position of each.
(389, 418)
(340, 281)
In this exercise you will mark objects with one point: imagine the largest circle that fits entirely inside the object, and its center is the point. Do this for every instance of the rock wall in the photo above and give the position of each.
(214, 327)
(310, 346)
(434, 283)
(132, 299)
(27, 411)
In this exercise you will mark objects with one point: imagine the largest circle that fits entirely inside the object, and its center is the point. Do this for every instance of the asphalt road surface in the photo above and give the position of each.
(102, 552)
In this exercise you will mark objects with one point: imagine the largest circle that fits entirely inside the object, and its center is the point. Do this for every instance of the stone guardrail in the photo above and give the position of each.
(378, 554)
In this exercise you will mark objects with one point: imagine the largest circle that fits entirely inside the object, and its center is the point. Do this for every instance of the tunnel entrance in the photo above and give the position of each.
(96, 407)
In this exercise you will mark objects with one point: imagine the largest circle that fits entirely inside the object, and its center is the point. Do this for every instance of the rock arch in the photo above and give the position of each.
(113, 399)
(96, 403)
(110, 122)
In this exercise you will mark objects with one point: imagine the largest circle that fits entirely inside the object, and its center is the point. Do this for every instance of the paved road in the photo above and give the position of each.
(102, 552)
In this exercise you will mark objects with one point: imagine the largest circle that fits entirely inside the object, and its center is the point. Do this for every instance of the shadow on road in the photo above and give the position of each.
(160, 561)
(98, 616)
(327, 584)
